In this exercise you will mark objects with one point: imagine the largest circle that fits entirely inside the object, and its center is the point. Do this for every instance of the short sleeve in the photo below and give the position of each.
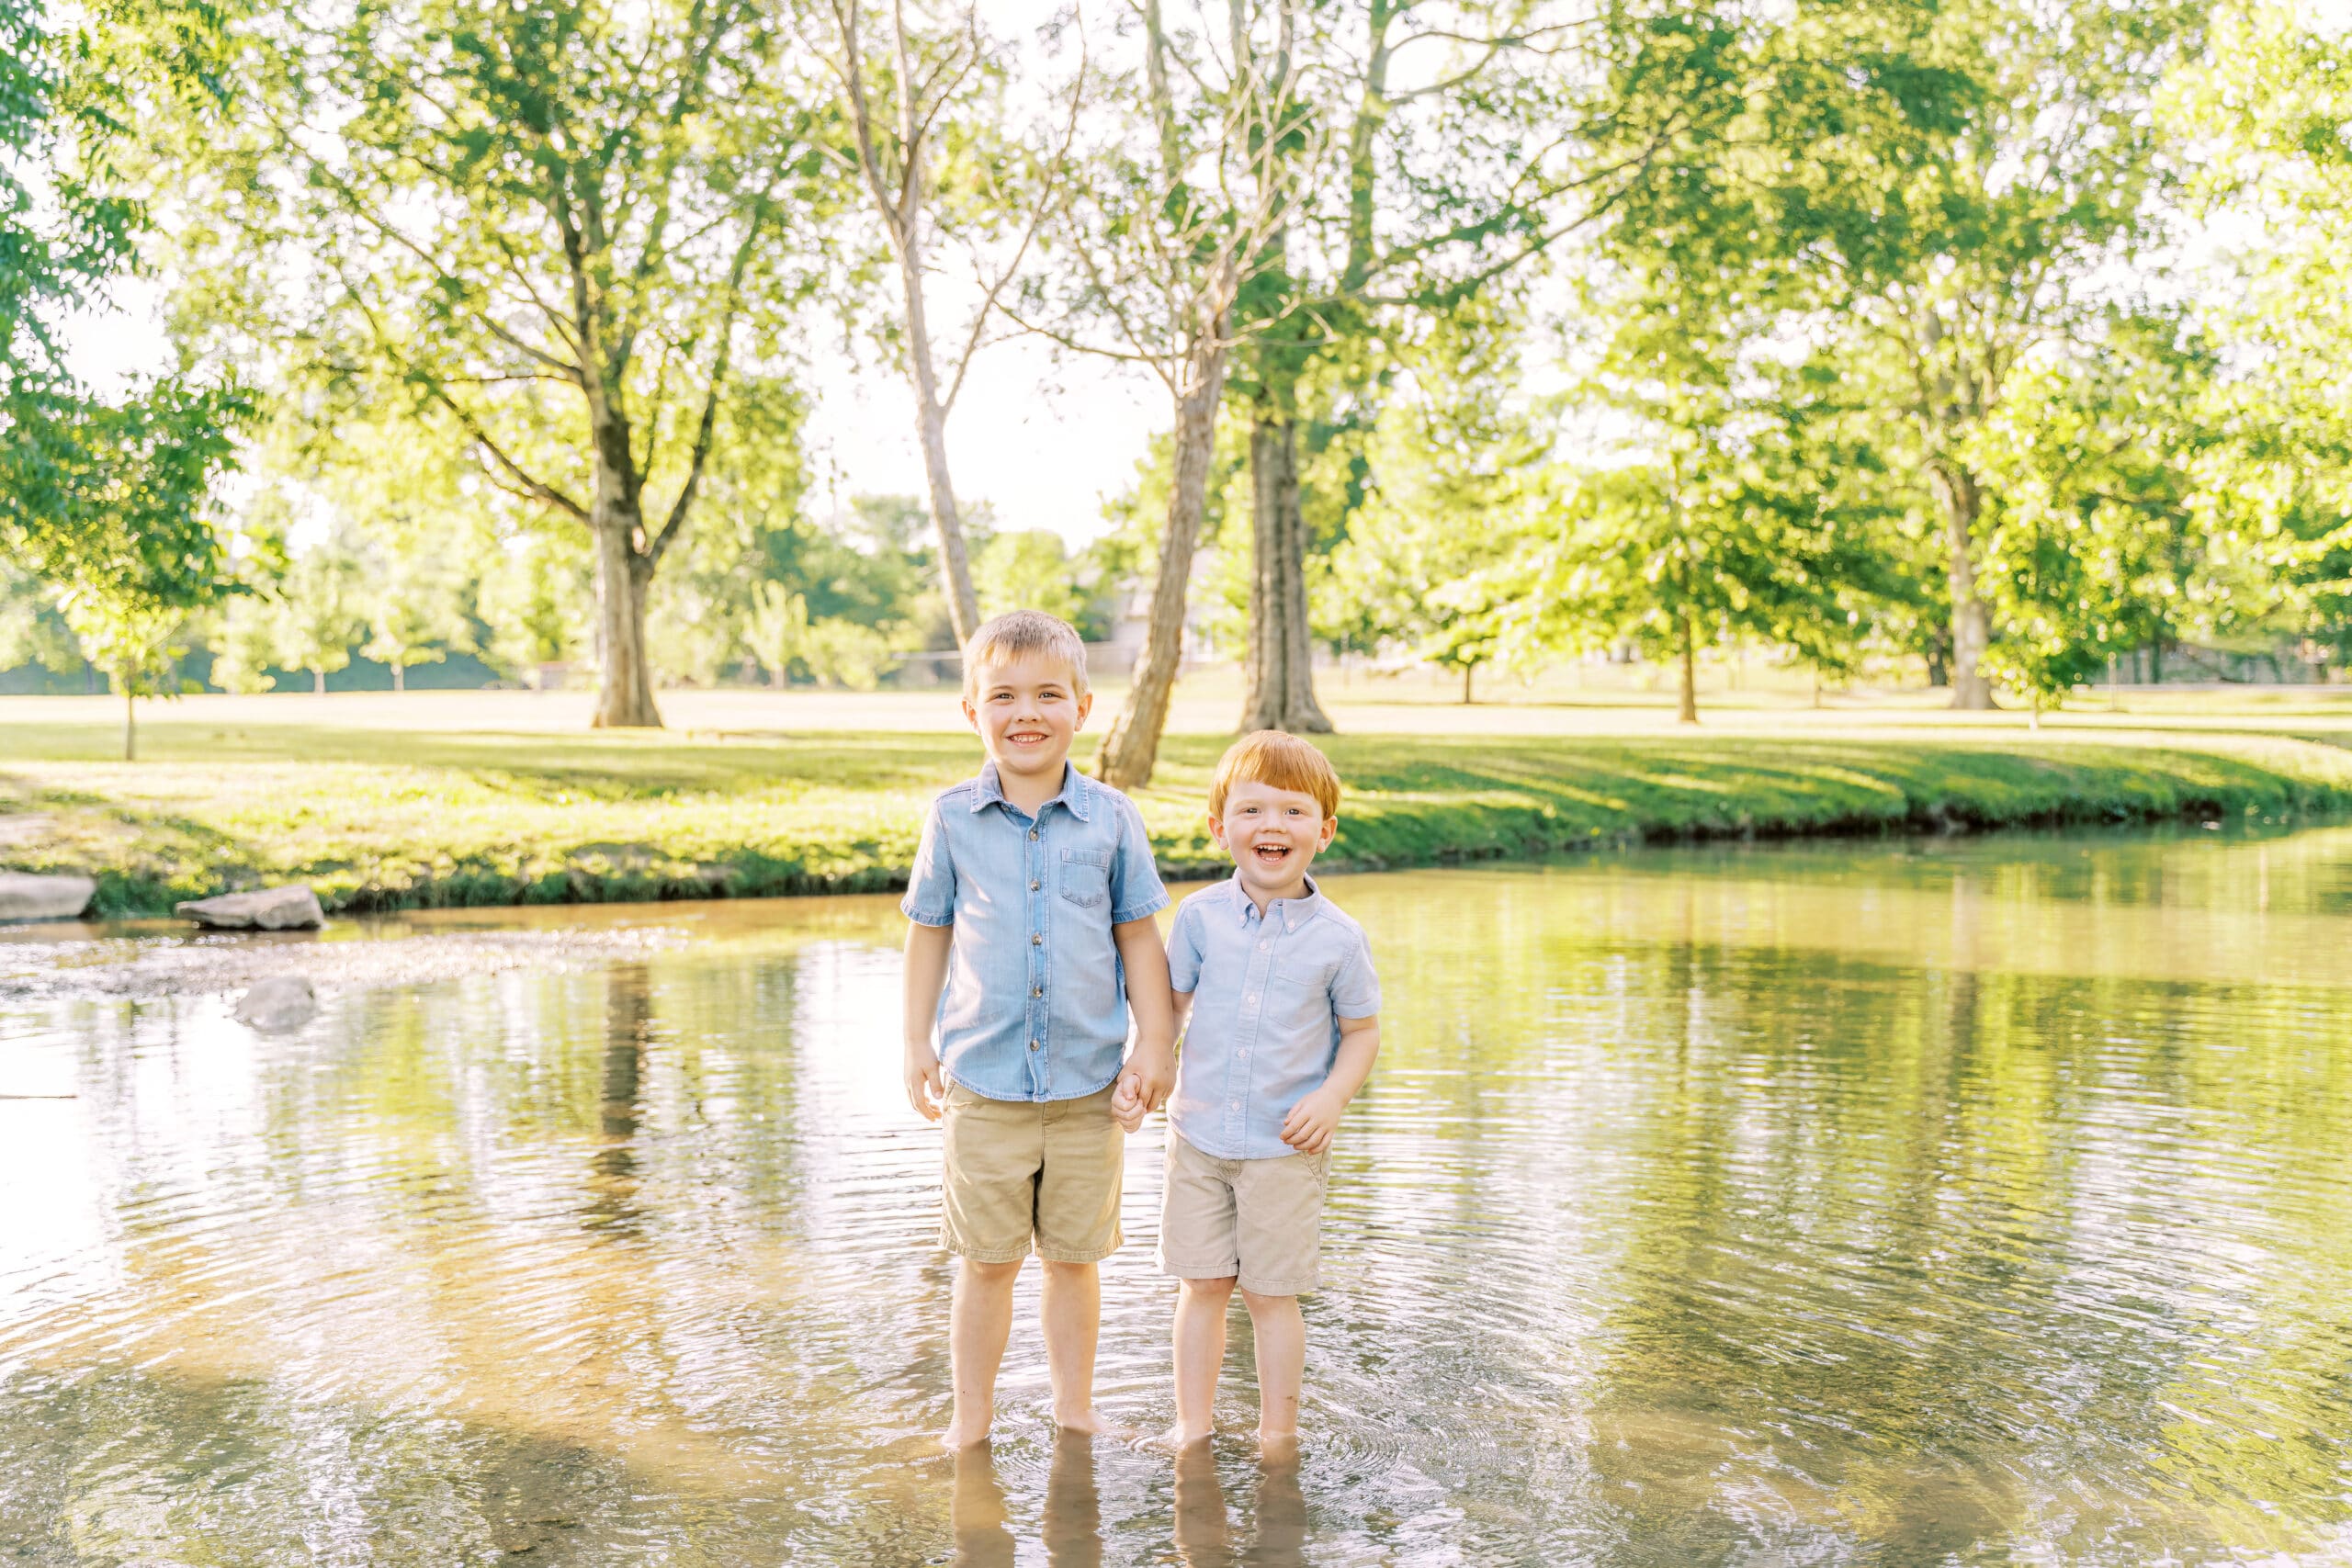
(1184, 951)
(931, 885)
(1355, 989)
(1136, 889)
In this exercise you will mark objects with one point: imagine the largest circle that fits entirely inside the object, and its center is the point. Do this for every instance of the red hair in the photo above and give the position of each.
(1278, 760)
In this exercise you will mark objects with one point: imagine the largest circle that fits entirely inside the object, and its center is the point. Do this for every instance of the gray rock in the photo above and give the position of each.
(282, 1001)
(271, 909)
(25, 897)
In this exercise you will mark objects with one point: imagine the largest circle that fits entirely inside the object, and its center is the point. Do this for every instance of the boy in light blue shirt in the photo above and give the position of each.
(1032, 940)
(1280, 1007)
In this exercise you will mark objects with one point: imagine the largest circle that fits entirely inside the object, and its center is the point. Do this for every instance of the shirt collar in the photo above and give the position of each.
(1293, 912)
(1072, 796)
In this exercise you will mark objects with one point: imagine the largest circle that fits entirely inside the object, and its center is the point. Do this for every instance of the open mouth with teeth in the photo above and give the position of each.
(1028, 737)
(1270, 854)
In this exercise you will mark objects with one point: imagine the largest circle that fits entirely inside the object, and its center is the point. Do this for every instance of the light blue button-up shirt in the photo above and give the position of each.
(1035, 1005)
(1267, 994)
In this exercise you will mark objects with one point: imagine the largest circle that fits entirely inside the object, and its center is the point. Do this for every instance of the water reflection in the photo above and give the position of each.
(1071, 1526)
(1205, 1531)
(1959, 1203)
(628, 1015)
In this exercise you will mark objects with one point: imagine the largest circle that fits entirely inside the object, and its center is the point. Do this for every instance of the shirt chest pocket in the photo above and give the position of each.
(1302, 992)
(1085, 877)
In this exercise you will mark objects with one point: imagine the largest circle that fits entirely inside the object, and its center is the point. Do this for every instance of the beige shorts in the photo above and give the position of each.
(1259, 1219)
(1020, 1172)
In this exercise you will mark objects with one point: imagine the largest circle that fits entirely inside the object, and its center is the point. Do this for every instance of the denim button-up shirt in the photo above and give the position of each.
(1035, 1005)
(1267, 994)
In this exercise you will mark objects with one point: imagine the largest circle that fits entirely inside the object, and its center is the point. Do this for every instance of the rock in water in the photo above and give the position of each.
(25, 897)
(271, 909)
(282, 1001)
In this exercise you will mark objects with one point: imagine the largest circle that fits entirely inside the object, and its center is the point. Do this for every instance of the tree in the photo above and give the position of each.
(563, 240)
(1717, 524)
(1956, 188)
(321, 611)
(777, 631)
(538, 599)
(126, 537)
(1465, 140)
(108, 505)
(1153, 249)
(1454, 460)
(1030, 569)
(936, 85)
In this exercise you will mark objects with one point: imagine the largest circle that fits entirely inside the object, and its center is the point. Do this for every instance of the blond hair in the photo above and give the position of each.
(1278, 760)
(1021, 632)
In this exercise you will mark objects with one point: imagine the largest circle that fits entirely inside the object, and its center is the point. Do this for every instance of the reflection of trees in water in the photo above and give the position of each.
(1831, 1246)
(628, 1021)
(1899, 1253)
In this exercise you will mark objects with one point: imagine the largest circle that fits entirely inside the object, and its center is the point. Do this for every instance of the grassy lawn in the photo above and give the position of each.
(491, 799)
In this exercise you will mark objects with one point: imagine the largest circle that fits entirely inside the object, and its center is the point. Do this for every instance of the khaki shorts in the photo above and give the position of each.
(1019, 1172)
(1259, 1219)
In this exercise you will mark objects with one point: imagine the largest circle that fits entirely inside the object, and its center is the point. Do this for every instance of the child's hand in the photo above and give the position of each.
(1152, 1071)
(925, 1091)
(1127, 1101)
(1311, 1121)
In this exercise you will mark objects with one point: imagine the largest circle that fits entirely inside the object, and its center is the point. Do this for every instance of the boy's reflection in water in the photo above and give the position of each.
(1205, 1533)
(1073, 1514)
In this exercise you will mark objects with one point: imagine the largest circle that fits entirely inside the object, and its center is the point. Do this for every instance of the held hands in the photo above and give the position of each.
(1311, 1121)
(1143, 1086)
(925, 1091)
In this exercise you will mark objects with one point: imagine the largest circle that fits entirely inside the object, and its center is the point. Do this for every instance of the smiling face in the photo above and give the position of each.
(1274, 835)
(1027, 709)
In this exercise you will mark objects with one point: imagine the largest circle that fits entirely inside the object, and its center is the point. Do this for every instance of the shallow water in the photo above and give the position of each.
(1965, 1203)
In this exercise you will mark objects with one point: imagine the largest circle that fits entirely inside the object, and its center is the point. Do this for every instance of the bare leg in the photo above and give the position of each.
(1282, 1364)
(1200, 1355)
(1071, 1307)
(977, 1326)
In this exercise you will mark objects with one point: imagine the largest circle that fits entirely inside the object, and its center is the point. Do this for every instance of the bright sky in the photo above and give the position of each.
(1042, 443)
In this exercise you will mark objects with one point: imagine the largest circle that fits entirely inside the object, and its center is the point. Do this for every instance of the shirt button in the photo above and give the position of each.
(1033, 832)
(1251, 998)
(1264, 945)
(1032, 887)
(1033, 1044)
(1036, 939)
(1036, 990)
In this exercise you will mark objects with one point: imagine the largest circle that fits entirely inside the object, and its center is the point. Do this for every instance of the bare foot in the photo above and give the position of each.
(959, 1436)
(1179, 1438)
(1090, 1422)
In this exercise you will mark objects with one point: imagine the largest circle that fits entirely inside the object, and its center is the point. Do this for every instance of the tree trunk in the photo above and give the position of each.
(400, 676)
(625, 692)
(318, 682)
(1467, 671)
(130, 724)
(1971, 623)
(1132, 748)
(1687, 711)
(931, 429)
(1280, 676)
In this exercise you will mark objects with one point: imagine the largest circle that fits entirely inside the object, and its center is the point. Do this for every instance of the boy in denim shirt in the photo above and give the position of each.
(1031, 900)
(1280, 1006)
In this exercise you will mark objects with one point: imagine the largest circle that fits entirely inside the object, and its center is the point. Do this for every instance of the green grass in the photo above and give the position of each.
(384, 814)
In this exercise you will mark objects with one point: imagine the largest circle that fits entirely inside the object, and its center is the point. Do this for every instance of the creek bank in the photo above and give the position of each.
(740, 822)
